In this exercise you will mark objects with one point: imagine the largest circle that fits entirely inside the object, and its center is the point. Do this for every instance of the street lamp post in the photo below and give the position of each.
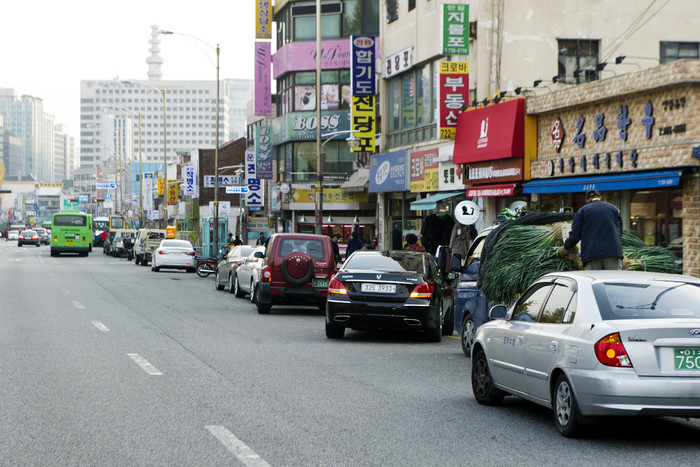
(319, 159)
(216, 147)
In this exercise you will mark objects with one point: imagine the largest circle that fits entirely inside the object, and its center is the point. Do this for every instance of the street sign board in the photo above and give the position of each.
(105, 186)
(236, 189)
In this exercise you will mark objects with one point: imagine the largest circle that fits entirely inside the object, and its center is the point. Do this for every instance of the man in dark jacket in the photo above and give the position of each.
(598, 225)
(354, 244)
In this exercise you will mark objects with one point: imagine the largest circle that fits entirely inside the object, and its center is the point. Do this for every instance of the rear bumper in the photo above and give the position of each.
(271, 294)
(624, 393)
(381, 315)
(70, 249)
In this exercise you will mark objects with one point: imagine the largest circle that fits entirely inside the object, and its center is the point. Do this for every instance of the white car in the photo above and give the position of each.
(592, 343)
(13, 235)
(174, 254)
(248, 273)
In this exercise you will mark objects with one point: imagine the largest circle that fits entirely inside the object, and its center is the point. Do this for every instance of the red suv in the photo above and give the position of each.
(296, 271)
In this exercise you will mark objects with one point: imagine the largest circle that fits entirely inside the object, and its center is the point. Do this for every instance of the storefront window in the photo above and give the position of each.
(655, 216)
(304, 160)
(407, 108)
(305, 27)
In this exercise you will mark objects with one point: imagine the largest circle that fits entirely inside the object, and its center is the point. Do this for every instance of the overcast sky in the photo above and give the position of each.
(48, 46)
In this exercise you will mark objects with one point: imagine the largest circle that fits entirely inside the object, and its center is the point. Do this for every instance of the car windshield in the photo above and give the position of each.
(311, 246)
(647, 300)
(28, 233)
(387, 261)
(175, 244)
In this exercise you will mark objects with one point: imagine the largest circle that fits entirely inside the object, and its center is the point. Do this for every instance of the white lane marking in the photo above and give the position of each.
(143, 363)
(236, 446)
(78, 305)
(100, 326)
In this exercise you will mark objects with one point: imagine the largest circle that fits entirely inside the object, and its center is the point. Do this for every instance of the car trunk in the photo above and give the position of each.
(663, 347)
(379, 287)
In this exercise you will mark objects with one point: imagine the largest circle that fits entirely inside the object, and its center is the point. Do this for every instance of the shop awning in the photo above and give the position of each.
(355, 183)
(621, 181)
(430, 202)
(506, 189)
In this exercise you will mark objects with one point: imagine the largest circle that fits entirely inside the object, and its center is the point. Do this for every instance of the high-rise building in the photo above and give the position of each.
(189, 115)
(25, 118)
(64, 154)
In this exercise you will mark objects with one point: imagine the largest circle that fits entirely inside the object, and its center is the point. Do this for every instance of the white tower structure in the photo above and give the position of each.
(154, 60)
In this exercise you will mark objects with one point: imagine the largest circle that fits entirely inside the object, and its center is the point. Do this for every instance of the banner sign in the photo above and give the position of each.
(255, 196)
(189, 181)
(224, 180)
(329, 195)
(387, 172)
(263, 152)
(105, 186)
(425, 170)
(172, 192)
(363, 77)
(263, 84)
(453, 94)
(263, 19)
(398, 63)
(301, 126)
(148, 191)
(364, 123)
(301, 56)
(455, 29)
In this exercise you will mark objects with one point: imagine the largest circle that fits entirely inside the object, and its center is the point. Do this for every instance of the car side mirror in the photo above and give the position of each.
(259, 254)
(456, 262)
(472, 269)
(498, 312)
(451, 276)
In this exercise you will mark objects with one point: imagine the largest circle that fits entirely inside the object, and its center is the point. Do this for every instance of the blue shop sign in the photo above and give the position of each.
(387, 172)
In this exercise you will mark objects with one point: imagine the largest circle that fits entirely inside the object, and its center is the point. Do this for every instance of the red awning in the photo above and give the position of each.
(492, 132)
(482, 191)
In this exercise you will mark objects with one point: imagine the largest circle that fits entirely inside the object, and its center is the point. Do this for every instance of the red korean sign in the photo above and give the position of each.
(453, 96)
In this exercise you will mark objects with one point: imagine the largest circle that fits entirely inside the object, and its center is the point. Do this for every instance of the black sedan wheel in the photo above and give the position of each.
(482, 383)
(448, 325)
(565, 408)
(468, 333)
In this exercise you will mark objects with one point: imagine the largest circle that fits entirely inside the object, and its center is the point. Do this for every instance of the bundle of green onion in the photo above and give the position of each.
(641, 257)
(522, 254)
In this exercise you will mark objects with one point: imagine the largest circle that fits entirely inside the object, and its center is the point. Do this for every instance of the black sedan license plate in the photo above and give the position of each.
(686, 359)
(378, 288)
(316, 282)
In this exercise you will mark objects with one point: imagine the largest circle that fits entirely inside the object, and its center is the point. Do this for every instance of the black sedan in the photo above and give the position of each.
(390, 289)
(28, 237)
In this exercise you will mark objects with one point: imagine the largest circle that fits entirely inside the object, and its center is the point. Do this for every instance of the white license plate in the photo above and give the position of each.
(378, 288)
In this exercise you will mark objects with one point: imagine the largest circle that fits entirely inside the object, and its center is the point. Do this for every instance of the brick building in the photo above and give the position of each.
(635, 138)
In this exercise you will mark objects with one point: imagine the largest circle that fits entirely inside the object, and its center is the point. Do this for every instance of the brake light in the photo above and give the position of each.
(423, 291)
(83, 238)
(267, 274)
(55, 238)
(190, 253)
(238, 263)
(337, 287)
(610, 351)
(161, 252)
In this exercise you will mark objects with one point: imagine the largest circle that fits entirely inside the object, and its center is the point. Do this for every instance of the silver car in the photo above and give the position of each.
(248, 273)
(226, 269)
(592, 343)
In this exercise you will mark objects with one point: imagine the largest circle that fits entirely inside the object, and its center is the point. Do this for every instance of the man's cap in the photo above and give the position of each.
(592, 194)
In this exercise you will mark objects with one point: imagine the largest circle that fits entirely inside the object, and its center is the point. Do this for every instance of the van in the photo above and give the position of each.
(117, 245)
(147, 240)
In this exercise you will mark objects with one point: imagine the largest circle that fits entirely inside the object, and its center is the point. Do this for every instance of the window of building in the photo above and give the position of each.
(411, 103)
(411, 4)
(392, 10)
(577, 60)
(672, 51)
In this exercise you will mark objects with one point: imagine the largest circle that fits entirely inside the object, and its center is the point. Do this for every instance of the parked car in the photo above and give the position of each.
(28, 237)
(248, 274)
(12, 234)
(593, 343)
(471, 307)
(117, 244)
(44, 236)
(225, 275)
(296, 271)
(390, 289)
(174, 254)
(146, 242)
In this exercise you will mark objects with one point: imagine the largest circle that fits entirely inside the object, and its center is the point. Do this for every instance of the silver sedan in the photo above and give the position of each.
(248, 273)
(591, 343)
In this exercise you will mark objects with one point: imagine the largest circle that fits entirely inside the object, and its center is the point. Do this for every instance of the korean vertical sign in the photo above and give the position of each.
(455, 29)
(263, 19)
(255, 196)
(364, 91)
(453, 94)
(263, 74)
(263, 152)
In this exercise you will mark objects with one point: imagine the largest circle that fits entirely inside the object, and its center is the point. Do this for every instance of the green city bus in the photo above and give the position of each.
(71, 232)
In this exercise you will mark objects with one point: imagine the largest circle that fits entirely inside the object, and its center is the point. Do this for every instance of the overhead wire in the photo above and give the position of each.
(637, 28)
